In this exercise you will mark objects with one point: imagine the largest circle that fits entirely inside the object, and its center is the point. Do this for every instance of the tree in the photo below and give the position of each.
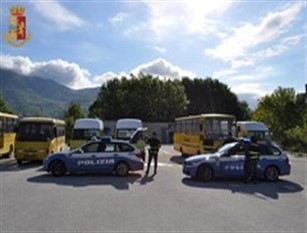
(73, 113)
(211, 96)
(279, 112)
(3, 107)
(143, 96)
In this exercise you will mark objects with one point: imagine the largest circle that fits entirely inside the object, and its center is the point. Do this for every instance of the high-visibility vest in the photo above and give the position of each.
(254, 151)
(208, 145)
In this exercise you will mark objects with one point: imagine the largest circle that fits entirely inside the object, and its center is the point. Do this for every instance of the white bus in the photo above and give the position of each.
(253, 128)
(126, 127)
(85, 129)
(132, 130)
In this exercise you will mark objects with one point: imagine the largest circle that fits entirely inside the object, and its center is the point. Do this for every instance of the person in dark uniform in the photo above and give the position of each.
(208, 144)
(154, 146)
(229, 139)
(251, 160)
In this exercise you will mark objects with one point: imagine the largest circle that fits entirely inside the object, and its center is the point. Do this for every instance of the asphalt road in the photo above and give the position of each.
(32, 201)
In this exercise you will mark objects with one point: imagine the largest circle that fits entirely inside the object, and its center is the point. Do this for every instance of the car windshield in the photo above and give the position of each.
(225, 149)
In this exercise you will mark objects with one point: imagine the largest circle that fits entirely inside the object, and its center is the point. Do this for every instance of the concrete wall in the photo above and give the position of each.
(163, 130)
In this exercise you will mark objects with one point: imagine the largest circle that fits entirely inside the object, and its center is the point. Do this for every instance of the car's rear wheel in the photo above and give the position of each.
(271, 174)
(57, 168)
(122, 169)
(205, 173)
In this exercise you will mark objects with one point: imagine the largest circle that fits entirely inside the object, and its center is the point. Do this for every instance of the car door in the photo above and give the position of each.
(232, 164)
(106, 158)
(85, 158)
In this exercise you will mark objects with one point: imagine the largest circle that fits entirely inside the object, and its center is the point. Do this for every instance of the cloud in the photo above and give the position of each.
(248, 88)
(56, 13)
(281, 47)
(63, 72)
(168, 19)
(159, 49)
(248, 36)
(162, 68)
(118, 18)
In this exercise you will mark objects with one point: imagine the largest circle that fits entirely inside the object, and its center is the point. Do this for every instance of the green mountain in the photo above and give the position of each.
(38, 96)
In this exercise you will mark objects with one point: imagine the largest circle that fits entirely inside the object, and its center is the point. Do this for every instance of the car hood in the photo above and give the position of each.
(201, 157)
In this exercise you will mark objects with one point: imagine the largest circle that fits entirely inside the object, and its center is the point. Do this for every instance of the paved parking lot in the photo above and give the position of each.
(32, 201)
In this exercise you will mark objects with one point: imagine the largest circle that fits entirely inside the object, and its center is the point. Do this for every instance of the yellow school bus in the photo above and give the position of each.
(202, 133)
(37, 137)
(8, 123)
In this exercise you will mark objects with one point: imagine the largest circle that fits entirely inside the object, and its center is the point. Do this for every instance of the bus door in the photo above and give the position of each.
(137, 138)
(1, 132)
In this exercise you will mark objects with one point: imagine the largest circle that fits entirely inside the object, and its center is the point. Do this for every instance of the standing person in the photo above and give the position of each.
(208, 144)
(251, 160)
(229, 139)
(154, 146)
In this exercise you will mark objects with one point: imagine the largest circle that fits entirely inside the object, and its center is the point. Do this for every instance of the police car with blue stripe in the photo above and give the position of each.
(100, 156)
(228, 161)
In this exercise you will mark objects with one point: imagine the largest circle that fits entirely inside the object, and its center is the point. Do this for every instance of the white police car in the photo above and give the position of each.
(228, 161)
(100, 156)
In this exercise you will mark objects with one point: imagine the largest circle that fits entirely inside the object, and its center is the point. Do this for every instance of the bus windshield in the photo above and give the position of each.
(29, 131)
(125, 134)
(85, 134)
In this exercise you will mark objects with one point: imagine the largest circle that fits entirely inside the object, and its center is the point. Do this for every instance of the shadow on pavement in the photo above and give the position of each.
(147, 179)
(82, 180)
(177, 159)
(11, 166)
(262, 189)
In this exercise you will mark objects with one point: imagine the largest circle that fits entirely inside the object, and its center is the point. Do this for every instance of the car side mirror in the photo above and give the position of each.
(79, 151)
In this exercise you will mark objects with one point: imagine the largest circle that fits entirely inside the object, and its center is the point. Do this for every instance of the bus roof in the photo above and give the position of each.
(88, 123)
(209, 115)
(2, 114)
(252, 125)
(42, 120)
(129, 123)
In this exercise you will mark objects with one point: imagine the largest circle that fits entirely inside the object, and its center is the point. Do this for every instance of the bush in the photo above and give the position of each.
(296, 139)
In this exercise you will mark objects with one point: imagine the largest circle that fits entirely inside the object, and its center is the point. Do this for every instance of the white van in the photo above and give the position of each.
(253, 128)
(84, 130)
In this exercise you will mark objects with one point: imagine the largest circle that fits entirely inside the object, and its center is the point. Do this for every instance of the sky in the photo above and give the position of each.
(252, 46)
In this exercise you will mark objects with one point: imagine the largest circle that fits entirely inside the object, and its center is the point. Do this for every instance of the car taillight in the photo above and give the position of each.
(287, 159)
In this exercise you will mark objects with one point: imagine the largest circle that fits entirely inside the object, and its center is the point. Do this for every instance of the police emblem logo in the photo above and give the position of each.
(16, 35)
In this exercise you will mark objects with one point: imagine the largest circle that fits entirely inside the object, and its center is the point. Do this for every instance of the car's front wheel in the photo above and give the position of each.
(205, 173)
(271, 174)
(57, 168)
(121, 169)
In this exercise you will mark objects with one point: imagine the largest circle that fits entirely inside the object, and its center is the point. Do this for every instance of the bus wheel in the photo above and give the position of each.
(121, 169)
(205, 173)
(19, 161)
(57, 168)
